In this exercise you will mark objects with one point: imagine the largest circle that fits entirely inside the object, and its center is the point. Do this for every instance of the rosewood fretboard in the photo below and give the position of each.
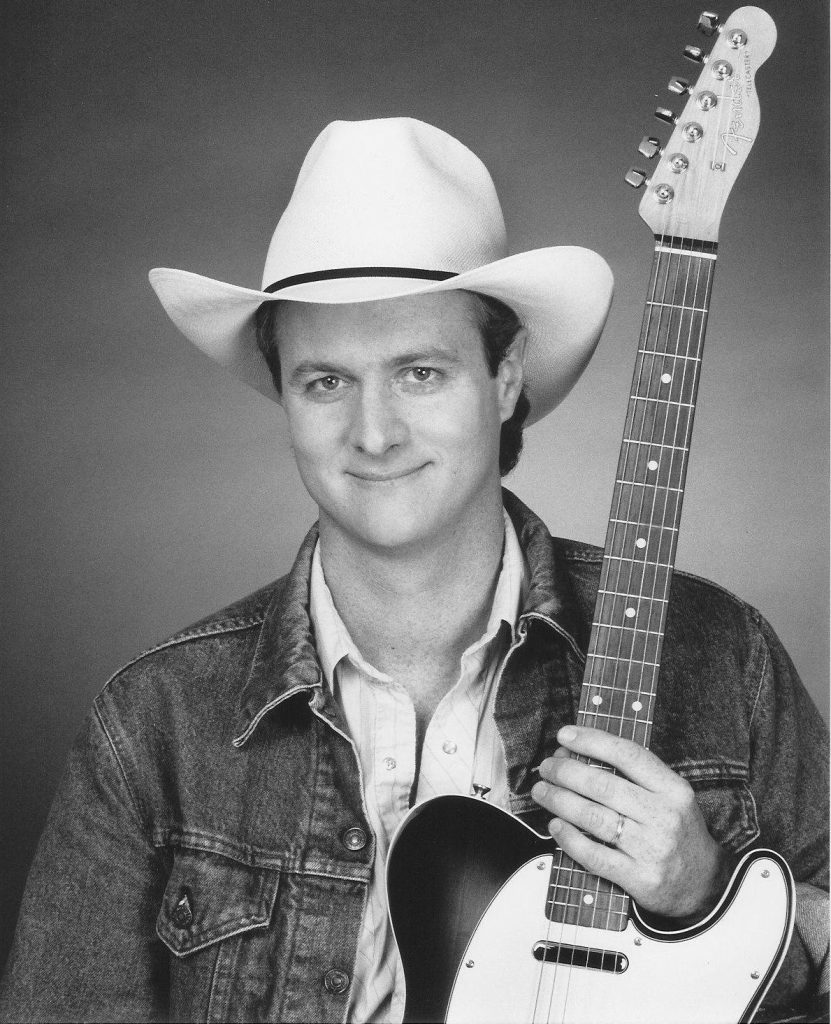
(621, 676)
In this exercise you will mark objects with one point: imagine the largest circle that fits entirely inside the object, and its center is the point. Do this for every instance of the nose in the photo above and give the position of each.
(377, 424)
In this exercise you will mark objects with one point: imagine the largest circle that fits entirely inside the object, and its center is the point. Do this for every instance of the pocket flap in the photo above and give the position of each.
(723, 794)
(210, 897)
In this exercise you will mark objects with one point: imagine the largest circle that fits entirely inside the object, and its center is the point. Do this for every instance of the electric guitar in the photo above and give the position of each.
(493, 922)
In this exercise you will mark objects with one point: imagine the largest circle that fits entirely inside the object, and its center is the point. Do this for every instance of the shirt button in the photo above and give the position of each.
(354, 839)
(182, 915)
(449, 747)
(336, 981)
(390, 763)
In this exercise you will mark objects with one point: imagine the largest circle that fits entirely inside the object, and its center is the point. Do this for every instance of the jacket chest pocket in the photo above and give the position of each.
(214, 919)
(722, 791)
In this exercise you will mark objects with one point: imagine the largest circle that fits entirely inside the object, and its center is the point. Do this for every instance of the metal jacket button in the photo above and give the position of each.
(354, 839)
(336, 981)
(182, 915)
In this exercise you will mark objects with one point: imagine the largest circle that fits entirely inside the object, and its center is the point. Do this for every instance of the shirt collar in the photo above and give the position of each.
(334, 642)
(285, 662)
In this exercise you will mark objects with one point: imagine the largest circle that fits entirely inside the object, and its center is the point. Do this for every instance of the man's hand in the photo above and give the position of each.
(663, 857)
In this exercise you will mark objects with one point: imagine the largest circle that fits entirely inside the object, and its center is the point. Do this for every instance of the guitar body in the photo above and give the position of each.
(467, 886)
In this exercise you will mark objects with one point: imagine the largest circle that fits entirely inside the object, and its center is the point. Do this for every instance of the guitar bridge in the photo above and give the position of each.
(581, 956)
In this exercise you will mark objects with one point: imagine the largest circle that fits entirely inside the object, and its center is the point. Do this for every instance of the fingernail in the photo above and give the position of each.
(555, 826)
(567, 734)
(538, 790)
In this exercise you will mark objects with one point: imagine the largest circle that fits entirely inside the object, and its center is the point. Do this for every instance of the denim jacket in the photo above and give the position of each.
(207, 855)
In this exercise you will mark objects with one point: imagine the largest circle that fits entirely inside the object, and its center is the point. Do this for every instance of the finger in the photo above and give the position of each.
(637, 763)
(606, 861)
(598, 821)
(599, 785)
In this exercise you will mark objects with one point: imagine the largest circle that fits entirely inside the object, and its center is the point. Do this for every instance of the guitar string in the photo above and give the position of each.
(587, 712)
(678, 425)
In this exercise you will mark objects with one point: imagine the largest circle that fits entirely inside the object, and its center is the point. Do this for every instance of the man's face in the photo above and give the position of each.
(393, 415)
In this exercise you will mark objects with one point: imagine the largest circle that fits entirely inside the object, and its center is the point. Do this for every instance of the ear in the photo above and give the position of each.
(510, 375)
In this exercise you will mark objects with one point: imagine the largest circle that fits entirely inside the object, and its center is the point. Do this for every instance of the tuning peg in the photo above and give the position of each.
(678, 85)
(649, 147)
(708, 23)
(694, 53)
(634, 177)
(665, 115)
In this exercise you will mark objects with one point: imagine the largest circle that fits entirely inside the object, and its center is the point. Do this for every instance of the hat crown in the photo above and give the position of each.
(392, 192)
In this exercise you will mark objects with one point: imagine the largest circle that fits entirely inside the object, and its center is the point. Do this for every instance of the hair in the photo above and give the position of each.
(498, 324)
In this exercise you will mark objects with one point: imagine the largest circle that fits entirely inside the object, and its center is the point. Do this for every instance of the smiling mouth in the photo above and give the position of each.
(386, 478)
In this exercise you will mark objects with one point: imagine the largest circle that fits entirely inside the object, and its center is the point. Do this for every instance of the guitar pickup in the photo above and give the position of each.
(581, 956)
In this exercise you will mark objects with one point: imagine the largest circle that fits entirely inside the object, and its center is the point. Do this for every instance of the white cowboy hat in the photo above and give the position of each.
(396, 207)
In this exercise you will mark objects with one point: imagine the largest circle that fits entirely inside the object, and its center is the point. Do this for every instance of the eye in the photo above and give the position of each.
(328, 383)
(422, 374)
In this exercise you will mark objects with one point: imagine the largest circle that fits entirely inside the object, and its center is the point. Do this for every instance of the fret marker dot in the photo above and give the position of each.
(652, 464)
(588, 899)
(597, 699)
(636, 705)
(666, 377)
(640, 543)
(630, 613)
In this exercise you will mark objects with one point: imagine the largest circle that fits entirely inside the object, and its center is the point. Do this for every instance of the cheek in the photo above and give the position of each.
(315, 438)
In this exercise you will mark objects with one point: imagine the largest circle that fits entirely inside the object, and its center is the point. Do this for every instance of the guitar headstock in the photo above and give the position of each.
(712, 136)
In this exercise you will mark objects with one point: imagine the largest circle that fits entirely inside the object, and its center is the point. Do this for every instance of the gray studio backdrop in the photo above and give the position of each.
(143, 488)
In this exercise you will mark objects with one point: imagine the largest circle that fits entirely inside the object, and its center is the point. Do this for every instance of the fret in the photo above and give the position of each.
(669, 355)
(657, 486)
(631, 597)
(610, 625)
(649, 694)
(675, 305)
(656, 444)
(635, 522)
(628, 661)
(665, 401)
(637, 561)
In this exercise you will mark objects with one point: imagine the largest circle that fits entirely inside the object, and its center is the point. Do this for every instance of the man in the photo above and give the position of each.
(217, 848)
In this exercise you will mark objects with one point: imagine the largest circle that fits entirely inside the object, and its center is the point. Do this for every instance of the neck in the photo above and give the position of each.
(416, 608)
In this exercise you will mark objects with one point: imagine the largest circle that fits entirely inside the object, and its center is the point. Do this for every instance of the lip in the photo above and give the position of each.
(385, 478)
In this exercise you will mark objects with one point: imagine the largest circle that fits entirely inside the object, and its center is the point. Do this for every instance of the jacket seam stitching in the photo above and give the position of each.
(136, 803)
(175, 641)
(765, 663)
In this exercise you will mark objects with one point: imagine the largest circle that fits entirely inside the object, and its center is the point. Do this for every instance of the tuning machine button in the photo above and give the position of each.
(678, 85)
(708, 23)
(635, 177)
(694, 53)
(665, 115)
(649, 147)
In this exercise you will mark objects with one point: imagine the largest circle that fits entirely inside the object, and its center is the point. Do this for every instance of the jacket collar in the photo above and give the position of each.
(285, 662)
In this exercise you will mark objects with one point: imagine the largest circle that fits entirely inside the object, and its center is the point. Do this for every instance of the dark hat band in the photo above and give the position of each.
(333, 275)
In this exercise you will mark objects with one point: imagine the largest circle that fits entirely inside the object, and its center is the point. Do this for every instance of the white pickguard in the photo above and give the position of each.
(712, 976)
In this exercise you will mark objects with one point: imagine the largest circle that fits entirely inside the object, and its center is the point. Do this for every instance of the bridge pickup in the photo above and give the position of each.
(581, 956)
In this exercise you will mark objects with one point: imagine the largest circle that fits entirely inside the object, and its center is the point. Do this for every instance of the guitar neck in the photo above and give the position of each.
(621, 677)
(620, 681)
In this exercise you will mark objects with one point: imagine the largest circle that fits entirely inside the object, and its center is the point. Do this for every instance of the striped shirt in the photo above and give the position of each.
(461, 747)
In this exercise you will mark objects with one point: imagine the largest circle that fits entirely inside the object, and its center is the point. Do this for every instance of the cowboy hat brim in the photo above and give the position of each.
(560, 294)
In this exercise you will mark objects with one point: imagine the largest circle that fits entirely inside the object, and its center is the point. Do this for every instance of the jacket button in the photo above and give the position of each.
(354, 838)
(182, 915)
(336, 981)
